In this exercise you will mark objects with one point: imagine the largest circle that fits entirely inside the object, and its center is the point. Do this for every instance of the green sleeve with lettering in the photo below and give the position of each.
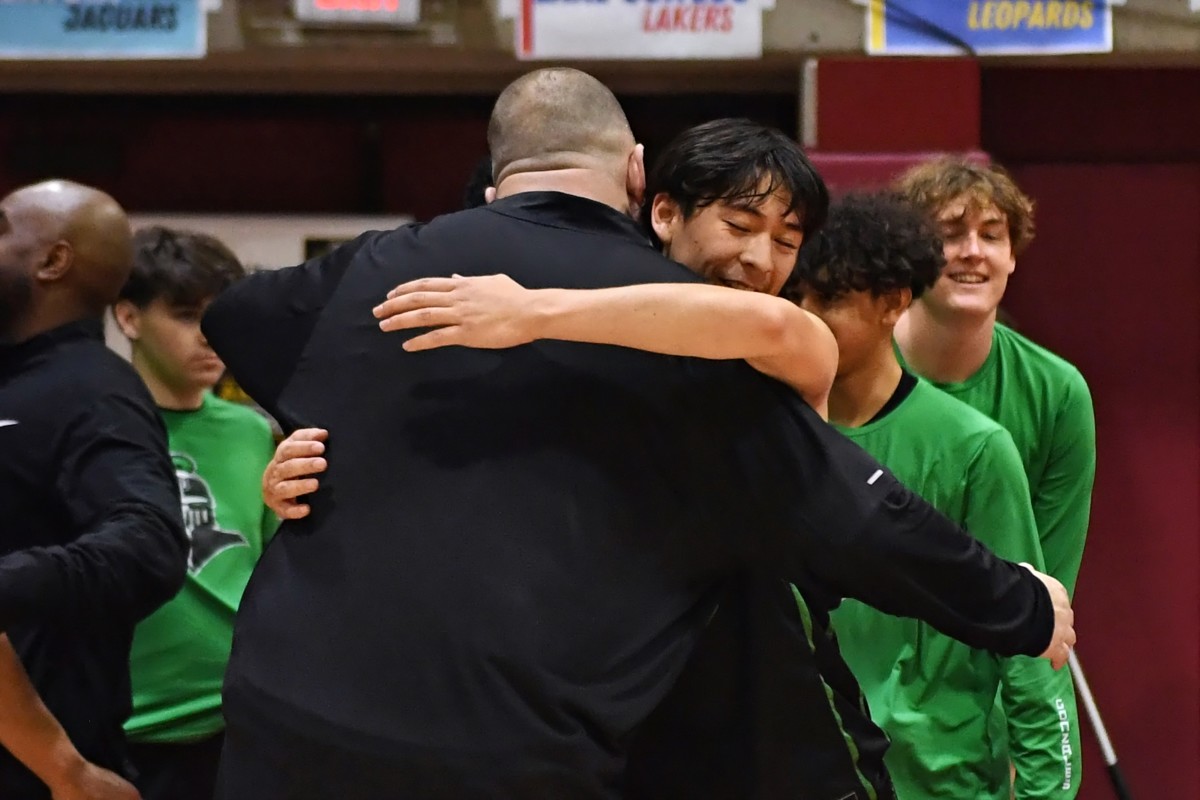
(1038, 702)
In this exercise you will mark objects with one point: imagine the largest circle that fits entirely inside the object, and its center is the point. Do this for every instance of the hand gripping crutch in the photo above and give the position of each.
(1110, 755)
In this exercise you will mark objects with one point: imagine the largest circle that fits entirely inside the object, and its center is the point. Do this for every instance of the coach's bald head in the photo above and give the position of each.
(561, 129)
(65, 251)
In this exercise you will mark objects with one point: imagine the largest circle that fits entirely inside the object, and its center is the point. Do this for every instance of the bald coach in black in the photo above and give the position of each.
(514, 552)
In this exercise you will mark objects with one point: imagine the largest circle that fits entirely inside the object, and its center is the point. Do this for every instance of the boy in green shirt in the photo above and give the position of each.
(935, 697)
(219, 449)
(951, 337)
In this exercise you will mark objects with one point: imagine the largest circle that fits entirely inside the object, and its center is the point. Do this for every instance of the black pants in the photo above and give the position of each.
(185, 771)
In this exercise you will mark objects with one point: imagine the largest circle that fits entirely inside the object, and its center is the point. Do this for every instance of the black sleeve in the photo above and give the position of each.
(119, 490)
(844, 526)
(261, 325)
(909, 560)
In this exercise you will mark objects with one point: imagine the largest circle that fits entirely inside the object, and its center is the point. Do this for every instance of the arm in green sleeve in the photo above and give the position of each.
(1038, 702)
(997, 509)
(1043, 728)
(1062, 496)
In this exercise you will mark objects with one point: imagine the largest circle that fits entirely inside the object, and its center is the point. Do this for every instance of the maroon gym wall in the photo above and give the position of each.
(1112, 282)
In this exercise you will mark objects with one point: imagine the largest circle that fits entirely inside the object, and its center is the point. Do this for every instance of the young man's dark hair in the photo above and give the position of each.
(875, 243)
(182, 268)
(477, 184)
(737, 159)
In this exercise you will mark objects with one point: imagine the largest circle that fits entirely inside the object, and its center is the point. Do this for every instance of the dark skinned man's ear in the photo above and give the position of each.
(57, 263)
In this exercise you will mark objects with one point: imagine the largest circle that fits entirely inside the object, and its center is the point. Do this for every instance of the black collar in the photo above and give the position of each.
(79, 329)
(904, 388)
(561, 210)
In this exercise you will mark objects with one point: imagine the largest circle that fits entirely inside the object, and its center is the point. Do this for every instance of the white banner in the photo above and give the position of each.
(640, 29)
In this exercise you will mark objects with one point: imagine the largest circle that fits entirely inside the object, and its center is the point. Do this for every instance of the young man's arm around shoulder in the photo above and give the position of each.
(685, 319)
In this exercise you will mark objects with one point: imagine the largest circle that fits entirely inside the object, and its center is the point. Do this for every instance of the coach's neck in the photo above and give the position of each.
(592, 184)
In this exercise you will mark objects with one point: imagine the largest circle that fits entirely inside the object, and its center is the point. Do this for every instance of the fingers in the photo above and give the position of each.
(291, 489)
(287, 509)
(288, 476)
(1059, 650)
(426, 285)
(442, 337)
(305, 442)
(420, 318)
(296, 468)
(292, 510)
(411, 302)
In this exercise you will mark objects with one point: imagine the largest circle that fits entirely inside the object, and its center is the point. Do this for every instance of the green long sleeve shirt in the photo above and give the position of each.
(935, 697)
(1044, 403)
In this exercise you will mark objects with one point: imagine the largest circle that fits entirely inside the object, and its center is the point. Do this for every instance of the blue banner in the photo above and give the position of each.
(988, 27)
(92, 29)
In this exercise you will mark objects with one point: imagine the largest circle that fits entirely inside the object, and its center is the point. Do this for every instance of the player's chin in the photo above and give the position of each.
(207, 376)
(973, 304)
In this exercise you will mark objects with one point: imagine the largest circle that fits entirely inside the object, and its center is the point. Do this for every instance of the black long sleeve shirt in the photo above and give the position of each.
(514, 552)
(91, 539)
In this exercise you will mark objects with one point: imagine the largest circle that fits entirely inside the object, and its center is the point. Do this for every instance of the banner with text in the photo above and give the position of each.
(640, 29)
(988, 27)
(95, 29)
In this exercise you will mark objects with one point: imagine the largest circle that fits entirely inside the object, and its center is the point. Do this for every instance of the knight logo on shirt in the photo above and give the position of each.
(200, 516)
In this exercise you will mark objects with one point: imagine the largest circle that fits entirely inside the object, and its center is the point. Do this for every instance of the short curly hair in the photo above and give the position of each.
(876, 242)
(932, 184)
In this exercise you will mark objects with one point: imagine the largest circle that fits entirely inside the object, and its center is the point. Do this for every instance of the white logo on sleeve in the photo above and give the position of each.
(871, 480)
(6, 423)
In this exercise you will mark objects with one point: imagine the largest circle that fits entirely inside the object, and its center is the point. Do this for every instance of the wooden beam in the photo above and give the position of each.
(380, 71)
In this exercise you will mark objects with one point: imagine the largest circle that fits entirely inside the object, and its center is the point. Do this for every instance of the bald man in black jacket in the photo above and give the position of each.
(91, 539)
(514, 552)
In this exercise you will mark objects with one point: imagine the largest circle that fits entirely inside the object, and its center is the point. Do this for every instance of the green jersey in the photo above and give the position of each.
(936, 697)
(180, 651)
(1043, 401)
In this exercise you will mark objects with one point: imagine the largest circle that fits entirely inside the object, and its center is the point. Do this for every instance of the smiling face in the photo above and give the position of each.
(744, 243)
(979, 259)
